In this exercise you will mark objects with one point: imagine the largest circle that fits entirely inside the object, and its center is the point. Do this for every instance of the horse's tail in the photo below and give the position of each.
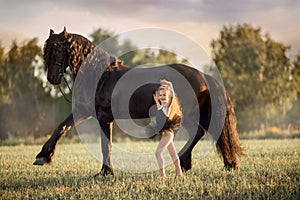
(228, 144)
(223, 124)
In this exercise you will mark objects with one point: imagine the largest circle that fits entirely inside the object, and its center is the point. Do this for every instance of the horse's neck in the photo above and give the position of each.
(84, 54)
(96, 60)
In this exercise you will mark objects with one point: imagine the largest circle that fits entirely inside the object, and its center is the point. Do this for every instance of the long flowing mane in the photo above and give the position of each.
(77, 48)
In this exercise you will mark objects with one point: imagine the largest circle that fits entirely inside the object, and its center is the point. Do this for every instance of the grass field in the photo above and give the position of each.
(270, 169)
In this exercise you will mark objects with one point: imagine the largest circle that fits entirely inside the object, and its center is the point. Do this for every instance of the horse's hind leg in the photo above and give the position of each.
(196, 122)
(106, 145)
(185, 153)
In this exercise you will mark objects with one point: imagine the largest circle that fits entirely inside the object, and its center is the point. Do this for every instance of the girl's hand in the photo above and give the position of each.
(168, 83)
(165, 82)
(155, 97)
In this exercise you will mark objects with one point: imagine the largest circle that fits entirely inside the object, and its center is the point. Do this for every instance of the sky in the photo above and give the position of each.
(200, 20)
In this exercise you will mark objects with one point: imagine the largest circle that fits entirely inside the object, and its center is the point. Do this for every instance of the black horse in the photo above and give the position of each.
(207, 108)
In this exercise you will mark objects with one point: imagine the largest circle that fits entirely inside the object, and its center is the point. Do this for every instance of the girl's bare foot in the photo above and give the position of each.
(164, 177)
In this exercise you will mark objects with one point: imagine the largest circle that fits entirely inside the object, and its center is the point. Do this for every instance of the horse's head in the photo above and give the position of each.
(56, 56)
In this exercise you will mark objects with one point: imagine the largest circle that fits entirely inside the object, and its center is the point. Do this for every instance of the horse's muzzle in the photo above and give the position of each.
(54, 80)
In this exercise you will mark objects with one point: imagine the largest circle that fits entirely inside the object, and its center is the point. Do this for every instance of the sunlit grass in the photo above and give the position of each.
(270, 169)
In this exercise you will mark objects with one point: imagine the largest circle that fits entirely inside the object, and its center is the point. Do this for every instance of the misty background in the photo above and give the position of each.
(260, 74)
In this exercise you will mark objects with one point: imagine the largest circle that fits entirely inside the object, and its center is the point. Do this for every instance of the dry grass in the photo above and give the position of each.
(271, 169)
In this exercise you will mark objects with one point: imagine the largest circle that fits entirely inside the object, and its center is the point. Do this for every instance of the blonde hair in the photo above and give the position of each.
(175, 107)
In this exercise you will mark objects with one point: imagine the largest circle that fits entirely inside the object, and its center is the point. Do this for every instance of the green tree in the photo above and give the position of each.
(21, 93)
(108, 41)
(257, 74)
(154, 57)
(131, 58)
(4, 98)
(100, 37)
(296, 73)
(293, 115)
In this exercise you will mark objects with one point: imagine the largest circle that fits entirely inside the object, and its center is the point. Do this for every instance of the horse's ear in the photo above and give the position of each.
(51, 32)
(65, 32)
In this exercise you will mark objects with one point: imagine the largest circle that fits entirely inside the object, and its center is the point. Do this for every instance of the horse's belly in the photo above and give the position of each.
(134, 104)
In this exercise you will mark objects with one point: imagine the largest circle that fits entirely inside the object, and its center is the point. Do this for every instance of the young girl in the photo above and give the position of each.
(168, 119)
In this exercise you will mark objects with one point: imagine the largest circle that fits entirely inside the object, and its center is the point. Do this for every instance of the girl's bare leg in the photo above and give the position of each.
(163, 144)
(175, 158)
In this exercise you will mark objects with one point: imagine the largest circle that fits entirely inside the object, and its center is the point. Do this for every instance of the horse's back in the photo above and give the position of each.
(132, 94)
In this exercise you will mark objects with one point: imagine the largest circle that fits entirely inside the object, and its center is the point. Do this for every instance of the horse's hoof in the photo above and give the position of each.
(102, 174)
(39, 161)
(97, 175)
(105, 171)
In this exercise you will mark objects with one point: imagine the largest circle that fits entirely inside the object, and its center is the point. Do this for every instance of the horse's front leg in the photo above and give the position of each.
(47, 152)
(106, 145)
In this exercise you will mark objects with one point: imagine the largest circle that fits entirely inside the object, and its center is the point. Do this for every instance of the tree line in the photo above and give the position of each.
(258, 73)
(262, 80)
